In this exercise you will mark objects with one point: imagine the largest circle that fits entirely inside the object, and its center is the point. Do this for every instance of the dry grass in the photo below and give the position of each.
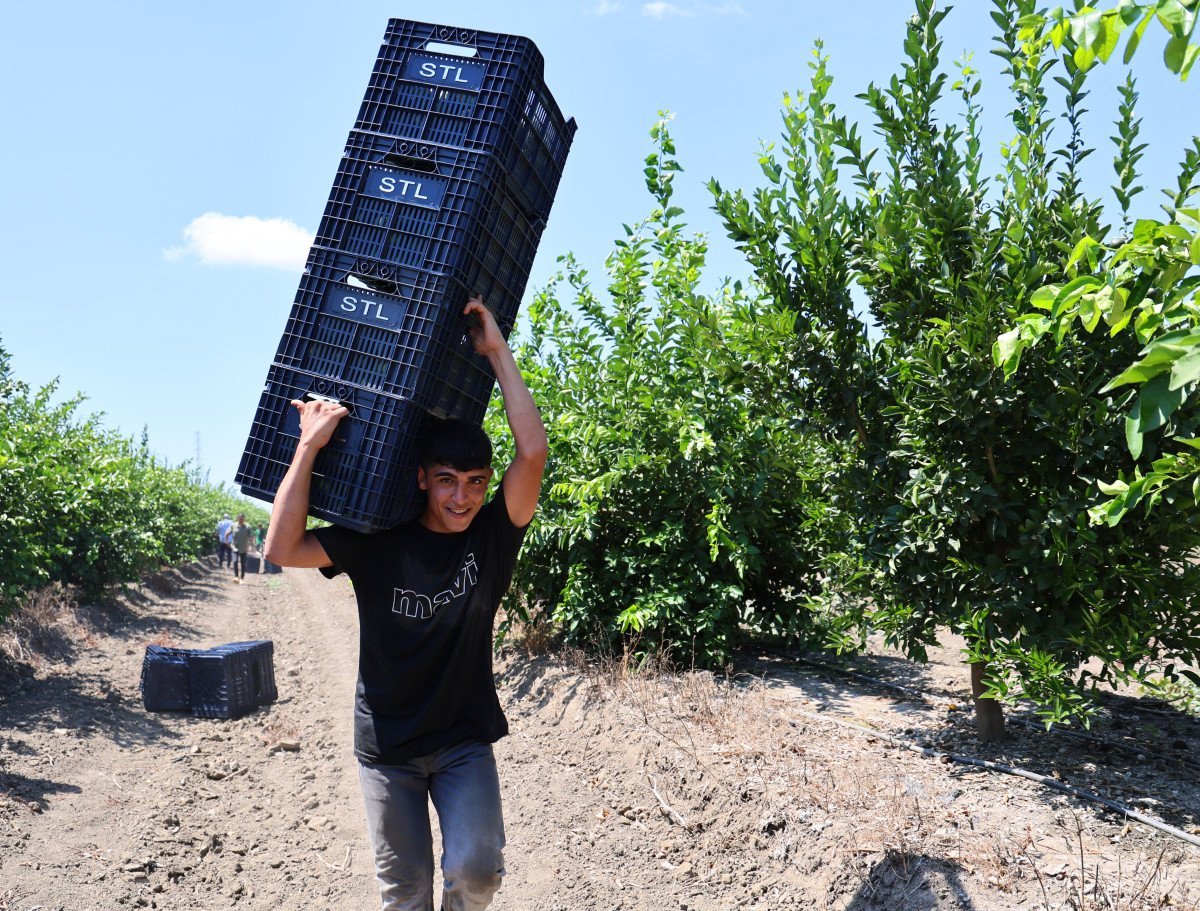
(534, 638)
(731, 763)
(43, 626)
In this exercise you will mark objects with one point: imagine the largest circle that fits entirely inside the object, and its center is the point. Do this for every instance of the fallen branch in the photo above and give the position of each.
(666, 808)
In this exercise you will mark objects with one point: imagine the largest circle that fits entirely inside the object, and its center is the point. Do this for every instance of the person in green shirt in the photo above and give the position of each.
(242, 536)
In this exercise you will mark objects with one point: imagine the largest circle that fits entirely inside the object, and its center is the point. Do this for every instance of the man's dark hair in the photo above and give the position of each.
(460, 444)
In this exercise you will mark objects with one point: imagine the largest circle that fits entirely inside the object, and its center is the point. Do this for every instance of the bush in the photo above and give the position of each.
(84, 506)
(683, 502)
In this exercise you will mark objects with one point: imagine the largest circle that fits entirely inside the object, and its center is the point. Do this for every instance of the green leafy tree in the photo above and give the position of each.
(1090, 35)
(82, 505)
(683, 502)
(1145, 284)
(969, 491)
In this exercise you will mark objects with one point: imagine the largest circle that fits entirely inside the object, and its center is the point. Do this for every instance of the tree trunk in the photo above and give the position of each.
(989, 714)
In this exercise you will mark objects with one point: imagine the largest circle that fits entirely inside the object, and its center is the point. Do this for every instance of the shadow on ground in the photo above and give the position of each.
(912, 882)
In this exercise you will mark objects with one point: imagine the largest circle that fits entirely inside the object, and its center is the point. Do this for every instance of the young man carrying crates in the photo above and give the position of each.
(425, 709)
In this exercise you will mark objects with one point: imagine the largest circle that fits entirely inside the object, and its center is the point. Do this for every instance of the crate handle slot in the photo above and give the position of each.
(410, 162)
(370, 283)
(472, 319)
(415, 156)
(319, 394)
(372, 276)
(454, 50)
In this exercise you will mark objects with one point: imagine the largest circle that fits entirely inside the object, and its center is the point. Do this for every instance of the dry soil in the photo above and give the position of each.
(624, 788)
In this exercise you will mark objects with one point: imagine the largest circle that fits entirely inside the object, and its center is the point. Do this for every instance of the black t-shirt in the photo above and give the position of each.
(426, 604)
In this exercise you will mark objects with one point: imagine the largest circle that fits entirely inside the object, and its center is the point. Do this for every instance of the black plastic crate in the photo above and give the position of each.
(481, 91)
(369, 324)
(165, 683)
(435, 209)
(230, 680)
(366, 477)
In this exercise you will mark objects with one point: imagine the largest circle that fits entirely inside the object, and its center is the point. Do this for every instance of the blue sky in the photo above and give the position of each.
(165, 164)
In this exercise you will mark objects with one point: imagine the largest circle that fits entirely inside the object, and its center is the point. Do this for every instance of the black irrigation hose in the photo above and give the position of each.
(925, 695)
(1129, 748)
(1054, 783)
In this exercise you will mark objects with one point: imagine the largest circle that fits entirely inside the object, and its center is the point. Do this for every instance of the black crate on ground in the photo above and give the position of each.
(399, 331)
(165, 682)
(480, 91)
(230, 680)
(433, 209)
(366, 477)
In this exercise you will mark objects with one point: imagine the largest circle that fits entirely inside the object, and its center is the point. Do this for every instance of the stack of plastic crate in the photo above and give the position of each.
(443, 192)
(226, 681)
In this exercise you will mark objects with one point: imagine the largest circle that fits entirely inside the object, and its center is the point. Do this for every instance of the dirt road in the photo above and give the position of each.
(622, 791)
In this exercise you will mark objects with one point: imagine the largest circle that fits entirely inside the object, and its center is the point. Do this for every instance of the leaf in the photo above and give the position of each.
(1110, 36)
(1006, 352)
(1043, 298)
(1086, 247)
(1136, 37)
(1174, 53)
(1071, 291)
(1089, 313)
(1160, 357)
(1133, 436)
(1085, 28)
(1189, 59)
(1157, 402)
(1189, 218)
(1174, 16)
(1186, 370)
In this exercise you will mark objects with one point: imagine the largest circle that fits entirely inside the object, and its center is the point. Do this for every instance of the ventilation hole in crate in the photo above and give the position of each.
(372, 211)
(365, 240)
(415, 220)
(366, 371)
(405, 249)
(323, 359)
(334, 331)
(446, 130)
(410, 95)
(376, 342)
(449, 101)
(406, 122)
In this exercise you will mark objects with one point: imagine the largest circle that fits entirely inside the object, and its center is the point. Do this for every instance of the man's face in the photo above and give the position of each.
(453, 497)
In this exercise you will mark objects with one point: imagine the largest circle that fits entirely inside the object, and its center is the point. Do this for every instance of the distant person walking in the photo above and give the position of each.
(242, 536)
(224, 540)
(260, 536)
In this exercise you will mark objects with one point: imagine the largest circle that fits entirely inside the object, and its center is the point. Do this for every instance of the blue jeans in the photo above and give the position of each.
(465, 789)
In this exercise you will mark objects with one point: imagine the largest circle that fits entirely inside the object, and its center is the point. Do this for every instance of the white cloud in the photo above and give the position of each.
(604, 8)
(660, 9)
(243, 240)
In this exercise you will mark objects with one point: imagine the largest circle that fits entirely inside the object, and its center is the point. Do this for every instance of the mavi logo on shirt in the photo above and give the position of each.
(409, 603)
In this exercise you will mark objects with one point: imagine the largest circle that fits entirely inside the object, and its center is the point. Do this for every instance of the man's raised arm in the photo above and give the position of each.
(523, 478)
(288, 542)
